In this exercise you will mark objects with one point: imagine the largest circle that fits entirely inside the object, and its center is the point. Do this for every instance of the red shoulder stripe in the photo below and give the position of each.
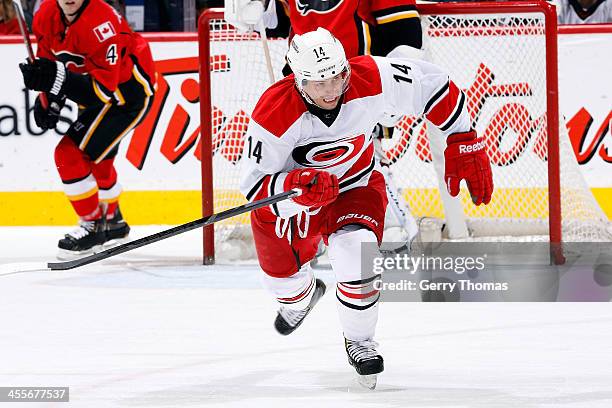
(279, 107)
(445, 106)
(365, 78)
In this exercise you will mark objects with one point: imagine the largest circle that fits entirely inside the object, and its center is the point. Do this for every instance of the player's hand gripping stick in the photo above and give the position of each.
(316, 188)
(26, 40)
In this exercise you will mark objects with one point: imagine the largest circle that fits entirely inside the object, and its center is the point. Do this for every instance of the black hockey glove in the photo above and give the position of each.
(44, 75)
(47, 118)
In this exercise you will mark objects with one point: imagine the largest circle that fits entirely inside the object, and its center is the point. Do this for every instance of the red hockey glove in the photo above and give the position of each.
(465, 157)
(318, 187)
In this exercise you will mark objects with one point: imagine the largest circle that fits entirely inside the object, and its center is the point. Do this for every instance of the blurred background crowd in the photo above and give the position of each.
(181, 15)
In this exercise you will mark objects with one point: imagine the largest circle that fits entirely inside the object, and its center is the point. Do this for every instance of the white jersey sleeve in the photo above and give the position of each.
(416, 87)
(264, 166)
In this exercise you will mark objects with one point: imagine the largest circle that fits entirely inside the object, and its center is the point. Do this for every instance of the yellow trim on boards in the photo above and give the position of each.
(603, 195)
(146, 207)
(138, 208)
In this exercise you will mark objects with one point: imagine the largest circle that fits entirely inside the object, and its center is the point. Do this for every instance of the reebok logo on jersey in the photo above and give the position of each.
(104, 31)
(472, 148)
(354, 216)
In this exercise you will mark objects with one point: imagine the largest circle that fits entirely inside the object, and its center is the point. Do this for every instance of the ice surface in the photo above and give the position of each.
(154, 328)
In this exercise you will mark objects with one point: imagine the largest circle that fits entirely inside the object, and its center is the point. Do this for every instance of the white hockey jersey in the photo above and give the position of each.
(284, 135)
(571, 12)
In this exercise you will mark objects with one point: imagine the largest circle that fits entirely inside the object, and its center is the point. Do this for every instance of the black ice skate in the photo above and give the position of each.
(367, 362)
(117, 230)
(86, 239)
(287, 320)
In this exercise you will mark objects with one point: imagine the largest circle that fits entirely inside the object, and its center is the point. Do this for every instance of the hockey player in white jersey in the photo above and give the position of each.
(312, 131)
(584, 11)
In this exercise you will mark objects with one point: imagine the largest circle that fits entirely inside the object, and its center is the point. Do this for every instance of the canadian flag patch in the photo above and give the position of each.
(104, 31)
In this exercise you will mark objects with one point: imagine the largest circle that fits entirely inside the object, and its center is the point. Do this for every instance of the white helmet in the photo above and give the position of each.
(316, 56)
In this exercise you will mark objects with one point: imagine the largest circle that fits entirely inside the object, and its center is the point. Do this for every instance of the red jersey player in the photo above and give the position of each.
(88, 54)
(312, 131)
(363, 27)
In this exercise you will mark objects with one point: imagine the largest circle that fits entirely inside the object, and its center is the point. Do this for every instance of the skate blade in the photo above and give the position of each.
(115, 242)
(66, 255)
(367, 381)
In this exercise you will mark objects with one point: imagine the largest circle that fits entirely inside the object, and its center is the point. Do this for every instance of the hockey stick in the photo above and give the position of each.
(266, 49)
(26, 40)
(398, 205)
(402, 214)
(202, 222)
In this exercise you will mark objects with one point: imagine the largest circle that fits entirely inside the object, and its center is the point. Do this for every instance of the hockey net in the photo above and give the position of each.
(503, 55)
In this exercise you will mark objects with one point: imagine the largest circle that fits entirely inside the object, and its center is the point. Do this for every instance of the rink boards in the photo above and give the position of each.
(159, 166)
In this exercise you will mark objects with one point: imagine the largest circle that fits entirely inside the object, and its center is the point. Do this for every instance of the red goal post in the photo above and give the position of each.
(474, 26)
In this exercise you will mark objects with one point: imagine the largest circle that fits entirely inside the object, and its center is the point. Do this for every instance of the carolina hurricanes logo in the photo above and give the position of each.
(317, 6)
(327, 154)
(68, 58)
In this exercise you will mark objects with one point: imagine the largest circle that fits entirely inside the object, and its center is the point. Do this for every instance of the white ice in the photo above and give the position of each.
(154, 328)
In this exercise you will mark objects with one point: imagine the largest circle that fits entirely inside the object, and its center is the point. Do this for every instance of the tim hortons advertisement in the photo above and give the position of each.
(163, 154)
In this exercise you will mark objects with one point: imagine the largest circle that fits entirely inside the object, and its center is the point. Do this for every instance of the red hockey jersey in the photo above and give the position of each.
(98, 42)
(347, 20)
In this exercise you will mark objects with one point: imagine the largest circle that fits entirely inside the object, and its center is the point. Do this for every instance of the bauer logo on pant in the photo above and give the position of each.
(354, 216)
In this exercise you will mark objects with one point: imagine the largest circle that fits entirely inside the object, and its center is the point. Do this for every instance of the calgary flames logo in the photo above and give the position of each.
(327, 154)
(317, 6)
(69, 58)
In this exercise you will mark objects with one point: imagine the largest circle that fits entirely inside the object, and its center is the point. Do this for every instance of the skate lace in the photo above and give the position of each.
(362, 350)
(292, 316)
(84, 228)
